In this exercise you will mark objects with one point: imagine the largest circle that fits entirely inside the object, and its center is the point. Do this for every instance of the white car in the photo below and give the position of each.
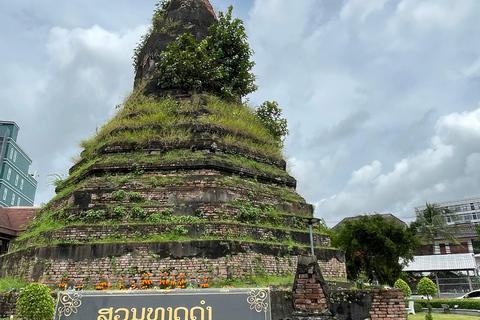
(475, 294)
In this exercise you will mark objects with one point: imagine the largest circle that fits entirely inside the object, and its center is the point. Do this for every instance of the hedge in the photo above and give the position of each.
(461, 303)
(416, 305)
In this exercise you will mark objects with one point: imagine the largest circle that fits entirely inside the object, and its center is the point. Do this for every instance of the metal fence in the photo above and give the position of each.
(451, 287)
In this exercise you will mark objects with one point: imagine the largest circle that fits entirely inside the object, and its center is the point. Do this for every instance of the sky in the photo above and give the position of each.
(381, 96)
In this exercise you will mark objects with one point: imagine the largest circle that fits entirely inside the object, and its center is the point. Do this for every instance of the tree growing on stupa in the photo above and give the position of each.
(219, 64)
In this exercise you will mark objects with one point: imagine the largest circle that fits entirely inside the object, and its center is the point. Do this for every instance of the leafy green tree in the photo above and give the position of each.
(35, 302)
(186, 65)
(220, 63)
(400, 284)
(427, 288)
(432, 223)
(271, 117)
(229, 42)
(374, 245)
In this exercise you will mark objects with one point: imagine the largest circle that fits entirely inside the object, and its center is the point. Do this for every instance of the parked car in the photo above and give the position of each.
(475, 294)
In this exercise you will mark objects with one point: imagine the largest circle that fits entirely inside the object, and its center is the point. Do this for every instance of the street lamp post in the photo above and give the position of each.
(310, 223)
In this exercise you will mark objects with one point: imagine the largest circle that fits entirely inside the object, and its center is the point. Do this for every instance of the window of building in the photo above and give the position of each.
(16, 180)
(9, 173)
(18, 201)
(11, 153)
(21, 184)
(13, 199)
(15, 156)
(5, 194)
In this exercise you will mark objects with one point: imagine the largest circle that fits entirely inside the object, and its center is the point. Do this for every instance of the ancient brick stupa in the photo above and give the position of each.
(179, 183)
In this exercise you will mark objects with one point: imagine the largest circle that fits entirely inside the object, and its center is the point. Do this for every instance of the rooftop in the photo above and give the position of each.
(13, 219)
(387, 216)
(463, 230)
(438, 262)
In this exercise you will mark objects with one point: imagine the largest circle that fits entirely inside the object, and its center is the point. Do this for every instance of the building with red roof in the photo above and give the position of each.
(13, 221)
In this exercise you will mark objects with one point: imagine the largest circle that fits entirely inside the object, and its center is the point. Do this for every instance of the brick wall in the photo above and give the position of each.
(88, 233)
(374, 304)
(387, 305)
(310, 294)
(7, 304)
(92, 264)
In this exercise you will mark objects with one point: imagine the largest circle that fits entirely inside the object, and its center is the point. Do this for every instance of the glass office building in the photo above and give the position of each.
(17, 185)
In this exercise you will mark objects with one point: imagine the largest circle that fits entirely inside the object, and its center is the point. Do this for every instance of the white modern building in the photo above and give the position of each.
(467, 209)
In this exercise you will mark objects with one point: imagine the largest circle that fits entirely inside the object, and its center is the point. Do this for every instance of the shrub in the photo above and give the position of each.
(92, 215)
(181, 230)
(400, 284)
(119, 195)
(228, 40)
(134, 196)
(428, 288)
(461, 303)
(247, 213)
(139, 213)
(35, 302)
(271, 117)
(417, 307)
(155, 218)
(186, 65)
(220, 63)
(119, 211)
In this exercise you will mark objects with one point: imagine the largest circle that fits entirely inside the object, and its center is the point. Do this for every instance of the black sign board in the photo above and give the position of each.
(179, 304)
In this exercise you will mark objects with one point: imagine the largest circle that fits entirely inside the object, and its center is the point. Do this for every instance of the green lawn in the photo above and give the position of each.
(442, 316)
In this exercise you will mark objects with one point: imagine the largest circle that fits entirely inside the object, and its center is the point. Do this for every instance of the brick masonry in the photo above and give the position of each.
(387, 305)
(310, 291)
(7, 304)
(373, 304)
(113, 261)
(87, 233)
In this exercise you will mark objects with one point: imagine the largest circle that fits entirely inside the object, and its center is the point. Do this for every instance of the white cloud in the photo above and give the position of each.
(360, 8)
(364, 176)
(88, 72)
(450, 160)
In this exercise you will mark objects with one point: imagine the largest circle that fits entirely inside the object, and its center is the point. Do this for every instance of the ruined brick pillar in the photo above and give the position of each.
(310, 291)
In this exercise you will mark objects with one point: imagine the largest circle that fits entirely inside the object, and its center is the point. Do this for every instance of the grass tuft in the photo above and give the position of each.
(10, 283)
